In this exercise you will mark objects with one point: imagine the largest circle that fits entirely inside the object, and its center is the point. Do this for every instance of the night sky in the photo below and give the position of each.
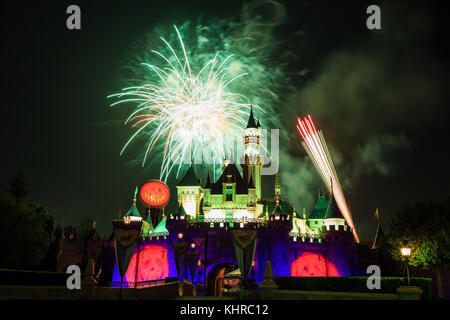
(381, 98)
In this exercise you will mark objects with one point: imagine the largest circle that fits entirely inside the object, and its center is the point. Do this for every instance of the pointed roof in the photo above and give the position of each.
(270, 207)
(189, 179)
(161, 228)
(320, 208)
(133, 211)
(148, 220)
(378, 236)
(180, 210)
(230, 170)
(277, 210)
(208, 182)
(333, 211)
(258, 125)
(251, 120)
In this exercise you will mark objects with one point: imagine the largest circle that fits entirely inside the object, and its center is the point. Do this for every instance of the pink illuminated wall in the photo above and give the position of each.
(311, 264)
(153, 264)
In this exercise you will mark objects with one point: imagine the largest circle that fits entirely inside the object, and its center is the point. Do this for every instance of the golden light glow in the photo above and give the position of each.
(406, 251)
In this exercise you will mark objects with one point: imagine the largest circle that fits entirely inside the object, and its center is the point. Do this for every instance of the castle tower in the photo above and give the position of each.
(317, 216)
(253, 160)
(333, 216)
(189, 193)
(277, 187)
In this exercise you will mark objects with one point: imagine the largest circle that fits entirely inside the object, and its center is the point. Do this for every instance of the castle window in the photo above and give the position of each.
(229, 216)
(229, 193)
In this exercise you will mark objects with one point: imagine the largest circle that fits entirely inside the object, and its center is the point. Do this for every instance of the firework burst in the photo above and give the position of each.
(186, 112)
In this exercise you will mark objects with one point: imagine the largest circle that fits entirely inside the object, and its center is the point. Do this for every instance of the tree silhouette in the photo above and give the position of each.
(25, 229)
(425, 228)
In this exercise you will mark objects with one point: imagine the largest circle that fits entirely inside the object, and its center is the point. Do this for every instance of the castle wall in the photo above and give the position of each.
(332, 256)
(156, 262)
(278, 253)
(339, 241)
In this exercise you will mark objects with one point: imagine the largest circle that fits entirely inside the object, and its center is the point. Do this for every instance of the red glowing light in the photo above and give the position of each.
(154, 193)
(153, 264)
(312, 265)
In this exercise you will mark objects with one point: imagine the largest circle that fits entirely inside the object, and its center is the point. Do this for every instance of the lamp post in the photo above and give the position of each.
(406, 252)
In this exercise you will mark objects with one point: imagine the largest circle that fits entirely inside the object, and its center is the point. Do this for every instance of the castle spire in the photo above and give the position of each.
(251, 120)
(134, 197)
(133, 212)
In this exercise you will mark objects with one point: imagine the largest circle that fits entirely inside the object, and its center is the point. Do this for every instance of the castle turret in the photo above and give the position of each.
(133, 213)
(316, 219)
(253, 160)
(189, 193)
(333, 215)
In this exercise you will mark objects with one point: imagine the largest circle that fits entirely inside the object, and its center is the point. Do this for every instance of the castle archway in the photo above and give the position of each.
(215, 280)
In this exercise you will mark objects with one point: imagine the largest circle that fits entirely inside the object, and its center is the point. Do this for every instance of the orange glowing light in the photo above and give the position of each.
(154, 193)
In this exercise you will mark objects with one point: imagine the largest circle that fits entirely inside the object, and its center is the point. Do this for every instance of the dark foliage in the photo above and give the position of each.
(350, 284)
(25, 229)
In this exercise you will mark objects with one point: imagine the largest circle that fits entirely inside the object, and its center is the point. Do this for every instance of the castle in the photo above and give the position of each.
(318, 245)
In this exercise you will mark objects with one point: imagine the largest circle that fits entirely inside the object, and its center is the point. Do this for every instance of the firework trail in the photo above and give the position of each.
(316, 148)
(187, 111)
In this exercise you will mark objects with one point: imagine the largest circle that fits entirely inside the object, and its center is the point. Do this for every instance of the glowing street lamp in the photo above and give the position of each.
(406, 252)
(180, 235)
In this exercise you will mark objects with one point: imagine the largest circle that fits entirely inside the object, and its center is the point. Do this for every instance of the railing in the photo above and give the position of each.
(141, 284)
(300, 235)
(233, 220)
(155, 234)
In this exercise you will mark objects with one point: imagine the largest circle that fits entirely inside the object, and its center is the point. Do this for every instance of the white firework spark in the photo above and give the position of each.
(186, 112)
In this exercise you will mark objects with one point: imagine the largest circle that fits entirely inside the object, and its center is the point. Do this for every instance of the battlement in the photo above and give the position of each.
(335, 228)
(279, 217)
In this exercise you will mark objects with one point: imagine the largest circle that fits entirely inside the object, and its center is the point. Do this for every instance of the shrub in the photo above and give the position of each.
(350, 284)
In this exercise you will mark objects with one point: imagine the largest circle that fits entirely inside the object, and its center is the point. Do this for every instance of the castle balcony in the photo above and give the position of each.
(216, 223)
